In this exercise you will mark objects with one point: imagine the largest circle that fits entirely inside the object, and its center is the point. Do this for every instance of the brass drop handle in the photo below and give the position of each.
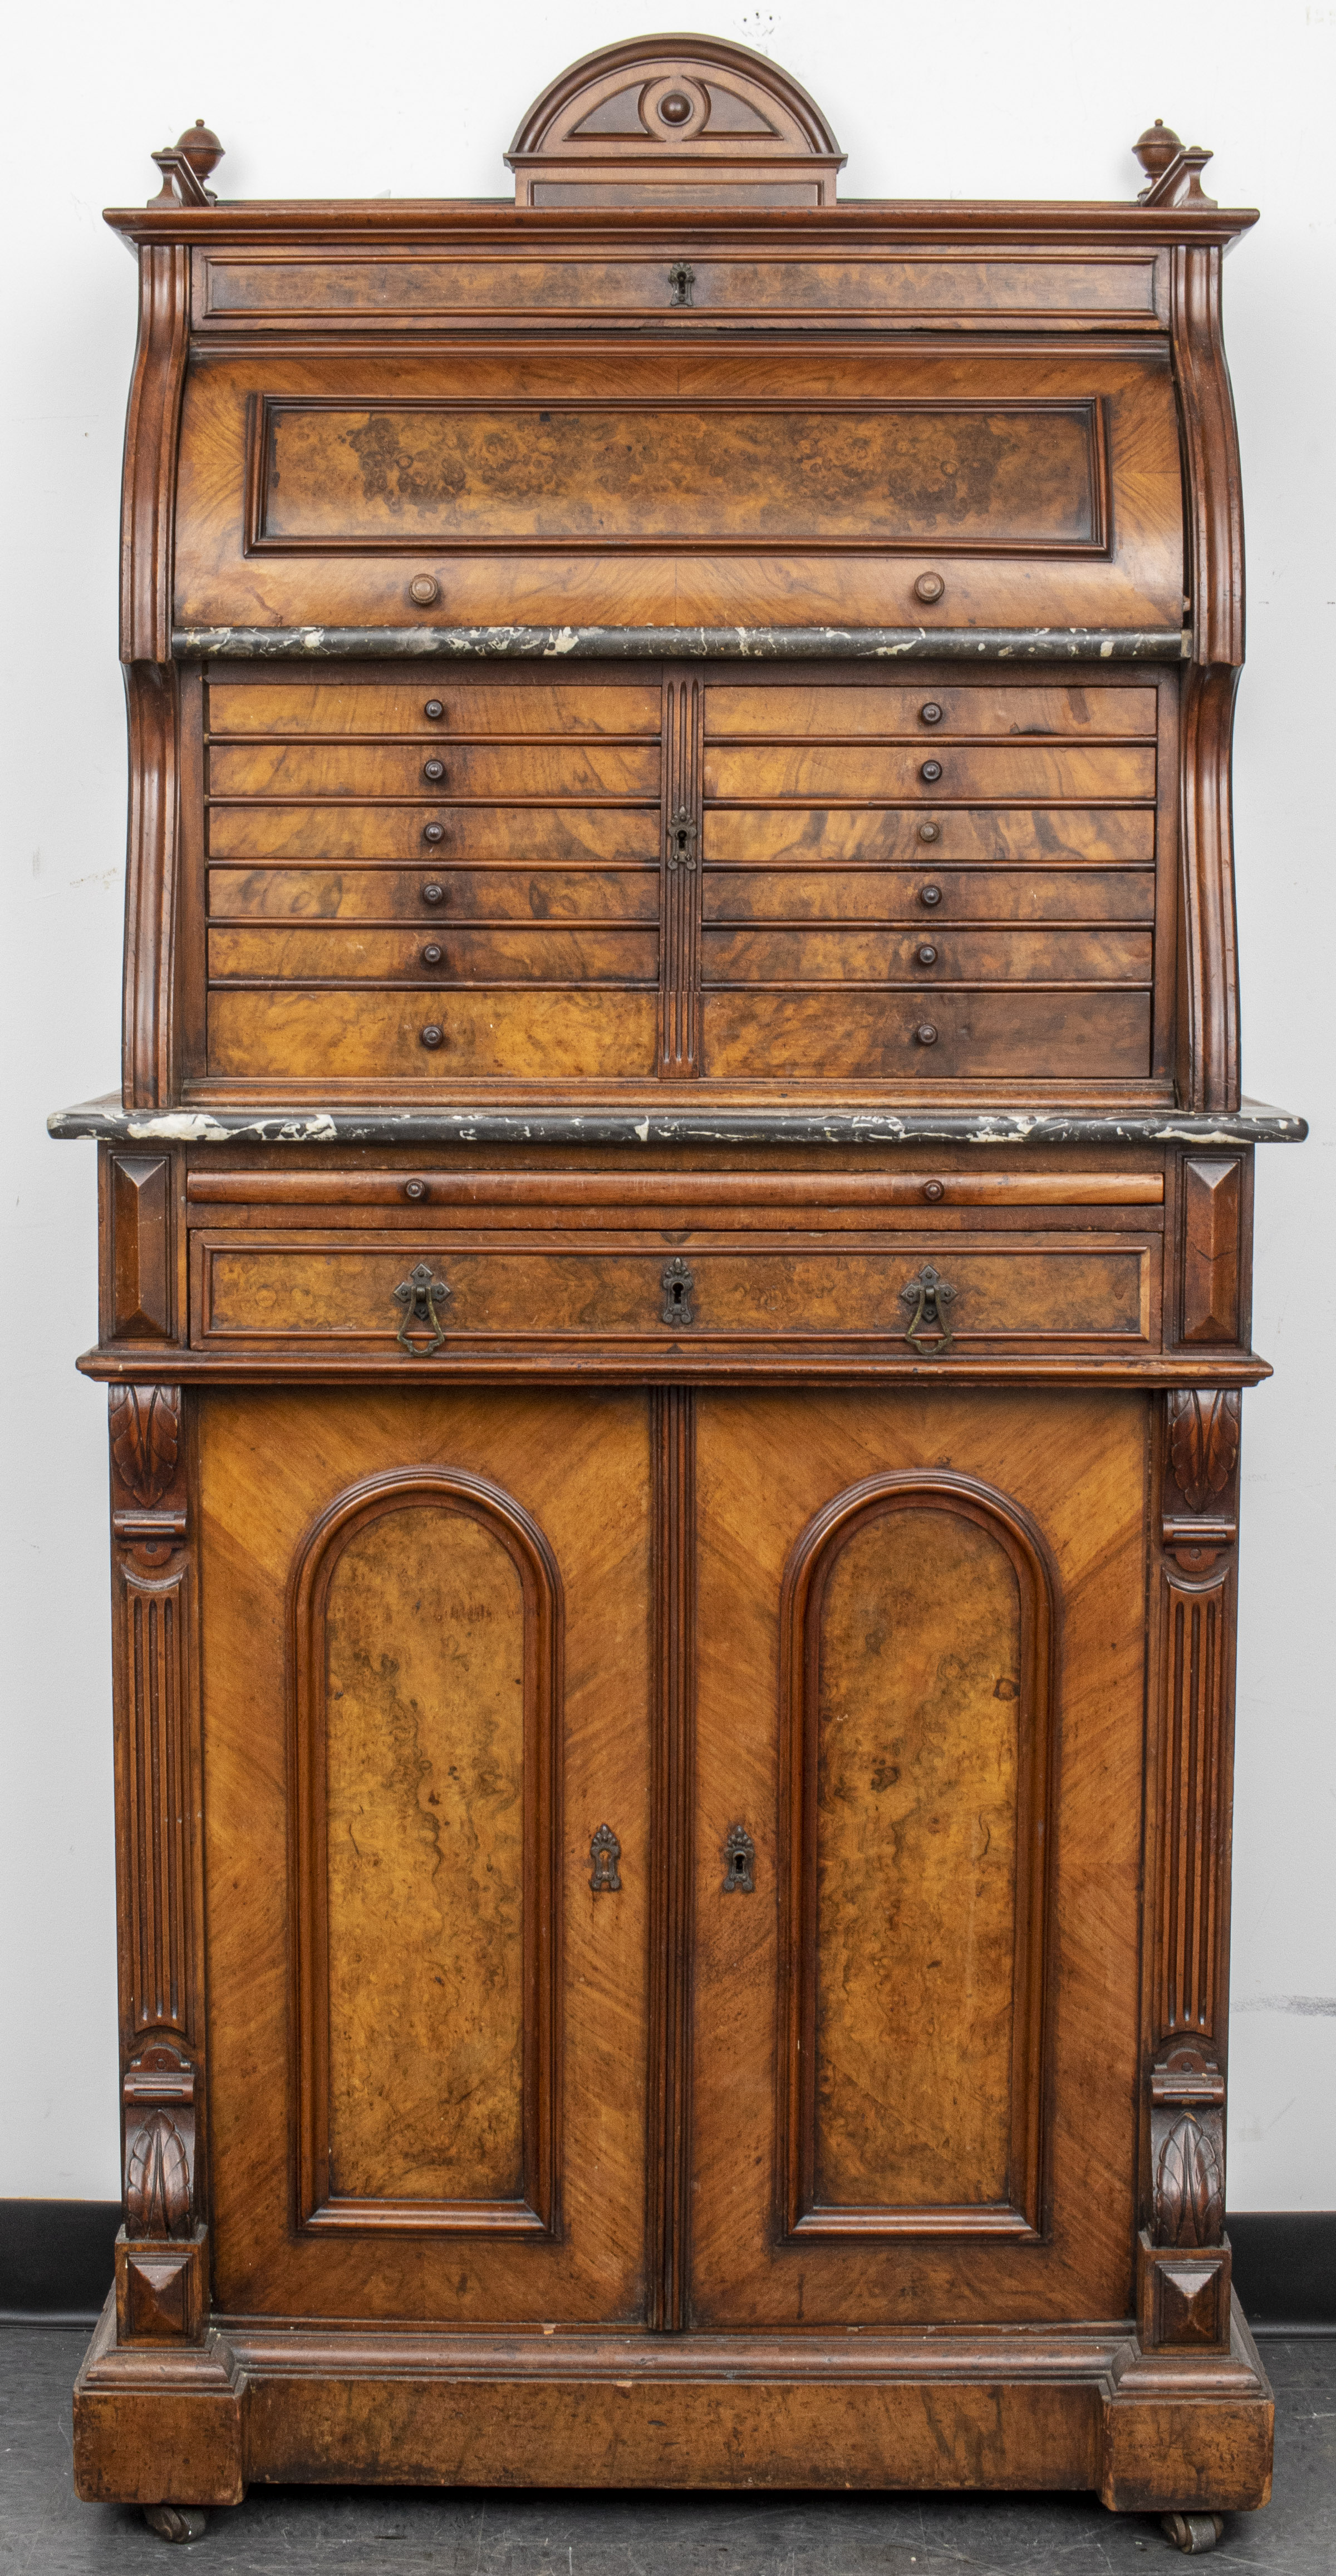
(928, 1330)
(604, 1853)
(420, 1295)
(739, 1862)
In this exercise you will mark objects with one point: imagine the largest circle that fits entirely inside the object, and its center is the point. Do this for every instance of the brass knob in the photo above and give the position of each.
(424, 588)
(435, 771)
(930, 831)
(433, 894)
(927, 955)
(433, 832)
(433, 708)
(930, 769)
(415, 1189)
(931, 895)
(934, 1190)
(926, 1033)
(929, 586)
(932, 713)
(432, 955)
(434, 1037)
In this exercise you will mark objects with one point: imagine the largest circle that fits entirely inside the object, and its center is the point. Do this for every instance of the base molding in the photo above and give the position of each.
(1080, 2408)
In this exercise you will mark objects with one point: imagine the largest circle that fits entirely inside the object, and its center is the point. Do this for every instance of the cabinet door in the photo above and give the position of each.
(921, 1620)
(425, 1671)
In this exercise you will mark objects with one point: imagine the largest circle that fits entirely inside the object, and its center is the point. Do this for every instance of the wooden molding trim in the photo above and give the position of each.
(672, 1791)
(151, 435)
(148, 1048)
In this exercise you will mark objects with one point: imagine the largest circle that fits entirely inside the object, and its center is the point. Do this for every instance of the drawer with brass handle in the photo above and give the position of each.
(569, 836)
(831, 712)
(420, 706)
(537, 769)
(947, 773)
(511, 894)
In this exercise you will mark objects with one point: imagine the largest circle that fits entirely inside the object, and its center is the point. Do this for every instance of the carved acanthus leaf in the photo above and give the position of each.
(157, 2180)
(1203, 1443)
(1189, 2188)
(145, 1439)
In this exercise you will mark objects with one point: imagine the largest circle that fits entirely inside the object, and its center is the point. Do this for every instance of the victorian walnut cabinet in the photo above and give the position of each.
(675, 1300)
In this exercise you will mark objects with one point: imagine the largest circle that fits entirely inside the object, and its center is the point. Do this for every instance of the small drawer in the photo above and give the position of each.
(292, 1033)
(925, 958)
(1022, 895)
(924, 1038)
(273, 1292)
(928, 713)
(422, 706)
(426, 895)
(536, 769)
(522, 834)
(428, 955)
(761, 836)
(936, 774)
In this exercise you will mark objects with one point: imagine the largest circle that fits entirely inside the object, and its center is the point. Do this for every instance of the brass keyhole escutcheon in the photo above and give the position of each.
(681, 276)
(683, 834)
(928, 1330)
(677, 1282)
(739, 1862)
(604, 1853)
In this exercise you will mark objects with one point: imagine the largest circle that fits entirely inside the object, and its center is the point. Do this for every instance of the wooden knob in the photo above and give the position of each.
(927, 954)
(929, 587)
(434, 709)
(929, 769)
(934, 1190)
(432, 955)
(930, 831)
(415, 1189)
(925, 1033)
(433, 832)
(424, 588)
(675, 109)
(932, 713)
(434, 1037)
(931, 895)
(434, 770)
(433, 894)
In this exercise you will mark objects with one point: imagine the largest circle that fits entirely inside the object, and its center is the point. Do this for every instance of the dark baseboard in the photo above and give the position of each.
(56, 2260)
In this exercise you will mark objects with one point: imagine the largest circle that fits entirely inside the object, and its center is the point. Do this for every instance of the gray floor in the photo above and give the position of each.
(490, 2532)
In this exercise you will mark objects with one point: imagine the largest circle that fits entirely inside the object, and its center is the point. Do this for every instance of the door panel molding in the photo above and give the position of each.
(1017, 2210)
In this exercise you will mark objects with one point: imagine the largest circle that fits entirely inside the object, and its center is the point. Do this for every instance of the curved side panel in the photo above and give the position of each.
(917, 1631)
(425, 1650)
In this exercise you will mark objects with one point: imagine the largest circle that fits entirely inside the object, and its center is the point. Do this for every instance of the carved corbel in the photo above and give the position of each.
(1183, 2267)
(162, 2290)
(1200, 1514)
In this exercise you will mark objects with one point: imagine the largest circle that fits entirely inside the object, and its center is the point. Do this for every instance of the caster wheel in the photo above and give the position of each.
(175, 2521)
(1193, 2532)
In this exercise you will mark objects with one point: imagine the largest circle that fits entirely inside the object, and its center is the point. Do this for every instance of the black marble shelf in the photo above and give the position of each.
(1253, 1124)
(683, 643)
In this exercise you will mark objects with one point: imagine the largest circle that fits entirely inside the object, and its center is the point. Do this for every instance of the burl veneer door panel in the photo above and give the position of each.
(921, 1622)
(426, 1621)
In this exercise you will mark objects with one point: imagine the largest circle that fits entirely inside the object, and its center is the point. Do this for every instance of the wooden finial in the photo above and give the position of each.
(1173, 169)
(1155, 149)
(186, 164)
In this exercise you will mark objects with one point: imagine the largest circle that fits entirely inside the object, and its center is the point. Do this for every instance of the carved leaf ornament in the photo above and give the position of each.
(1203, 1443)
(145, 1438)
(1189, 2186)
(157, 2180)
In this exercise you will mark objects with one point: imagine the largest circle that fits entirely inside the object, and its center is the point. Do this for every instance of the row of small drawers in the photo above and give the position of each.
(759, 836)
(374, 708)
(561, 897)
(553, 953)
(1010, 771)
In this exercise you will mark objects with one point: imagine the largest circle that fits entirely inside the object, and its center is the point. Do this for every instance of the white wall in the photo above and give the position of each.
(312, 97)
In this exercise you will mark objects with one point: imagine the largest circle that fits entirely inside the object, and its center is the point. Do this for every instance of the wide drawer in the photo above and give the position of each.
(296, 1034)
(537, 769)
(1009, 771)
(924, 958)
(423, 896)
(330, 953)
(760, 836)
(423, 706)
(270, 1291)
(926, 712)
(916, 1038)
(571, 836)
(1022, 895)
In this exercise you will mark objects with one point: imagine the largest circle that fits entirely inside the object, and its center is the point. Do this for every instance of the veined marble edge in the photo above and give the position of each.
(686, 643)
(110, 1124)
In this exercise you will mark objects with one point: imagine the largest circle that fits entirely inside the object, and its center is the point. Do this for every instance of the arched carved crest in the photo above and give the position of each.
(674, 121)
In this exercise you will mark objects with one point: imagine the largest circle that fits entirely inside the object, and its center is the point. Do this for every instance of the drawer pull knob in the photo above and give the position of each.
(928, 1329)
(677, 1282)
(420, 1295)
(433, 1036)
(433, 832)
(434, 709)
(415, 1189)
(435, 770)
(930, 831)
(681, 276)
(927, 954)
(925, 1033)
(739, 1862)
(931, 770)
(604, 1853)
(424, 588)
(432, 954)
(931, 713)
(929, 587)
(934, 1190)
(433, 894)
(931, 895)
